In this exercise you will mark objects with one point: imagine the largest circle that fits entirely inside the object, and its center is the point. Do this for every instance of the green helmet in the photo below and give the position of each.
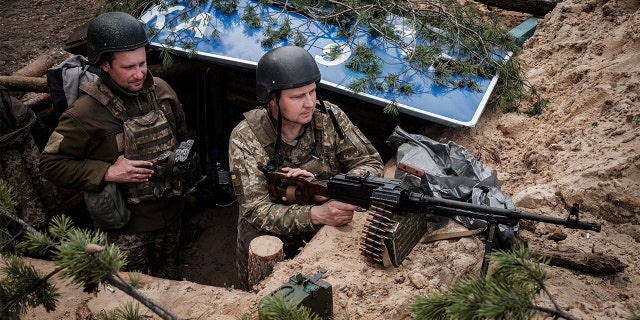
(111, 32)
(284, 68)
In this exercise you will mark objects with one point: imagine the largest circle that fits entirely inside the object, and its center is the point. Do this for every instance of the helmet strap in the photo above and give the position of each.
(276, 160)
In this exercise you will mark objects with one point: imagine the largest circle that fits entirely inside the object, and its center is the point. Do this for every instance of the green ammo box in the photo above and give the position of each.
(309, 291)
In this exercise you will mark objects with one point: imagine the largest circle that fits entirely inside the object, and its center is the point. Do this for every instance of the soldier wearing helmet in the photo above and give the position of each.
(89, 149)
(297, 133)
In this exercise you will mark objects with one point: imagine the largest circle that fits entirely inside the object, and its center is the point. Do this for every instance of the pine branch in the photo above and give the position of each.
(158, 309)
(507, 292)
(12, 240)
(480, 45)
(555, 312)
(19, 221)
(81, 255)
(18, 297)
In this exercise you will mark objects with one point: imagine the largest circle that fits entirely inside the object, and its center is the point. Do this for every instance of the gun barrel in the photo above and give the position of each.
(504, 216)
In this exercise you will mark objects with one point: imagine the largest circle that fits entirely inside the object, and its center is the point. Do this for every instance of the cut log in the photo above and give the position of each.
(593, 263)
(535, 7)
(264, 253)
(36, 67)
(24, 84)
(36, 101)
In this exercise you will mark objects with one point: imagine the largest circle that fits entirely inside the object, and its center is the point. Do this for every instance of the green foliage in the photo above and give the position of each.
(6, 197)
(226, 6)
(279, 307)
(508, 291)
(392, 108)
(8, 245)
(82, 255)
(251, 17)
(134, 7)
(135, 278)
(449, 26)
(274, 35)
(513, 89)
(23, 287)
(365, 61)
(86, 258)
(127, 311)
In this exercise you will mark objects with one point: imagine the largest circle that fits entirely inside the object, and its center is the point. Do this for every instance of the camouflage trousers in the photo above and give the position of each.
(154, 253)
(246, 233)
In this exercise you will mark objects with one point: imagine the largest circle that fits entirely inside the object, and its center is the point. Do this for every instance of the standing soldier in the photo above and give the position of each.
(108, 142)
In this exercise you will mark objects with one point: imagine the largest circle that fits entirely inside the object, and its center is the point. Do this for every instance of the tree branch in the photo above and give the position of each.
(119, 283)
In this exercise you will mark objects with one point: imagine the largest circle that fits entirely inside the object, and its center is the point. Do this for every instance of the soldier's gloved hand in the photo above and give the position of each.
(125, 170)
(333, 213)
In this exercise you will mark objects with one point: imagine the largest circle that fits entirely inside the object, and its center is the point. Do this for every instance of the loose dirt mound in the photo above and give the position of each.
(583, 149)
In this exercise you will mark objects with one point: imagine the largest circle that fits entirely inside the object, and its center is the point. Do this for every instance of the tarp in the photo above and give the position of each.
(451, 172)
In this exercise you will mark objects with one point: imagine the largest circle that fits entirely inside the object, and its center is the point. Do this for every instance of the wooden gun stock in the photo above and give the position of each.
(297, 190)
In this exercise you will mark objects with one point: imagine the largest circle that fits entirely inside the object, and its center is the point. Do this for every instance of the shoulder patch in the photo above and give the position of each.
(53, 145)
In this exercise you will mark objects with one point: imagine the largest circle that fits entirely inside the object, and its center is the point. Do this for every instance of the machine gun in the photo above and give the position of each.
(398, 210)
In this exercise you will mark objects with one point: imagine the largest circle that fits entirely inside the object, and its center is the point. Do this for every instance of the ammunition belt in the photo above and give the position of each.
(389, 236)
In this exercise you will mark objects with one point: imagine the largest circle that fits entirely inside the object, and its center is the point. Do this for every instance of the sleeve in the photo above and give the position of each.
(63, 159)
(246, 158)
(355, 152)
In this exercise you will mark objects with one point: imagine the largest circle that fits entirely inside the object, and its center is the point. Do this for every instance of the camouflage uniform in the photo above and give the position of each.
(35, 198)
(88, 139)
(250, 147)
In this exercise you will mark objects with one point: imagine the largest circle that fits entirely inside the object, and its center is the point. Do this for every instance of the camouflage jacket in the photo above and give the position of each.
(88, 139)
(34, 197)
(251, 146)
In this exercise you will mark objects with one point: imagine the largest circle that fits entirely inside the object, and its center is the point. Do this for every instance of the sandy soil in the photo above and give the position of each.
(584, 149)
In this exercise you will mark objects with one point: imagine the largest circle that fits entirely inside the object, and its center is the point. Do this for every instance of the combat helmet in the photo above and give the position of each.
(111, 32)
(284, 68)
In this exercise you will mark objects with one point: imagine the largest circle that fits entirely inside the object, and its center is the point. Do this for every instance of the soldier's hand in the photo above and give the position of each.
(125, 170)
(333, 213)
(296, 172)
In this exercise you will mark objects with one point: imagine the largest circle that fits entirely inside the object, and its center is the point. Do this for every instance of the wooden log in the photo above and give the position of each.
(36, 67)
(535, 7)
(24, 84)
(36, 101)
(593, 263)
(264, 253)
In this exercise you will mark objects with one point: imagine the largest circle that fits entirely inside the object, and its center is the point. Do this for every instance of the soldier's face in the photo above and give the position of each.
(297, 104)
(127, 68)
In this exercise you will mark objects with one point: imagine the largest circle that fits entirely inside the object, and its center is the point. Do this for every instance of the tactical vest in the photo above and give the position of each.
(147, 137)
(309, 159)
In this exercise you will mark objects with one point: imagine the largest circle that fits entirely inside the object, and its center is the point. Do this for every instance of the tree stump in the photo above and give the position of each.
(264, 253)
